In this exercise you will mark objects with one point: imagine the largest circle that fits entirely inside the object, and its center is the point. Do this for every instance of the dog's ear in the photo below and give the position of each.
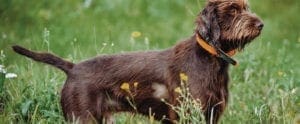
(208, 25)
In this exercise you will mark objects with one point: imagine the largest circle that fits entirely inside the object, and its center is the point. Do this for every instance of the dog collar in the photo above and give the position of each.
(217, 51)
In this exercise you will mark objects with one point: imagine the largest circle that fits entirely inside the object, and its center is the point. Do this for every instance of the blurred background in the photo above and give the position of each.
(264, 88)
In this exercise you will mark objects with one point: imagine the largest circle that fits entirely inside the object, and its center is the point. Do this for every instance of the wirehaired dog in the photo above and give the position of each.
(98, 87)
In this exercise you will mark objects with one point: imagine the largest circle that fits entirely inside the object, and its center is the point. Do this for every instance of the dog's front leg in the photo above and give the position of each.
(172, 115)
(213, 110)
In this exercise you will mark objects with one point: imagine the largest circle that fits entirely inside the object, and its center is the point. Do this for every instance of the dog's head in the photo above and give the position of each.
(228, 24)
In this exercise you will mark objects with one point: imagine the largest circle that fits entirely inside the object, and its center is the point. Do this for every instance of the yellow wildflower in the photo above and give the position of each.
(125, 86)
(136, 34)
(178, 90)
(183, 77)
(135, 84)
(280, 73)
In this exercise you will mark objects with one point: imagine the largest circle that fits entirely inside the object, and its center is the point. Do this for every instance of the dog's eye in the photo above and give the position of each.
(234, 9)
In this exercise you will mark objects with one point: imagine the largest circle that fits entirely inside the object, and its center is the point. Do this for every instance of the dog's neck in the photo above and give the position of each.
(216, 51)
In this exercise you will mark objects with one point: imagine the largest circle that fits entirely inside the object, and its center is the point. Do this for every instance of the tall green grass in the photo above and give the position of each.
(264, 88)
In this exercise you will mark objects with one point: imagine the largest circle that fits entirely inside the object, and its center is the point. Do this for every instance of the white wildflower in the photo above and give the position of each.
(294, 91)
(146, 40)
(2, 55)
(87, 3)
(2, 69)
(4, 36)
(10, 75)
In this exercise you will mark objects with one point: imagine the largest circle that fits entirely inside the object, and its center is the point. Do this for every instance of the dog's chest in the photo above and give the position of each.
(209, 84)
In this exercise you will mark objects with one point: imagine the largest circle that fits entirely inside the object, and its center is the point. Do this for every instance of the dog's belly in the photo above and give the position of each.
(144, 98)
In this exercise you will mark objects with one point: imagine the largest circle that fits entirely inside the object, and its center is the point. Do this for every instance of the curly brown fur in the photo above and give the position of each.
(93, 92)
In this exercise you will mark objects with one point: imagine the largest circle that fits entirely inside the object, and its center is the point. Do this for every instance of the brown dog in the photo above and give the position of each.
(98, 87)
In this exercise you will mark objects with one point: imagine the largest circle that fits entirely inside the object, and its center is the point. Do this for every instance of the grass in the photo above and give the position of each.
(264, 88)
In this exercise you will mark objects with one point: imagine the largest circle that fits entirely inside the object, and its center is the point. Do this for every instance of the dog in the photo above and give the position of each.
(98, 87)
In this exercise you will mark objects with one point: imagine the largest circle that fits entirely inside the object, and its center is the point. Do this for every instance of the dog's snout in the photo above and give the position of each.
(259, 25)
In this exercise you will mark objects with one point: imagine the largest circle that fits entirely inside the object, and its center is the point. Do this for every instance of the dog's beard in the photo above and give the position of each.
(228, 45)
(239, 44)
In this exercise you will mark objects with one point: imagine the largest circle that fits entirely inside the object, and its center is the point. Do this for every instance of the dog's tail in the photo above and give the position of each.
(45, 58)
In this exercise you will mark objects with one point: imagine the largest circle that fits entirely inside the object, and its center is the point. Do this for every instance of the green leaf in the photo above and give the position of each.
(25, 107)
(2, 79)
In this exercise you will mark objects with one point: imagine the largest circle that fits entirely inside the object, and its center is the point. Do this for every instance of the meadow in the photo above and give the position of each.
(264, 88)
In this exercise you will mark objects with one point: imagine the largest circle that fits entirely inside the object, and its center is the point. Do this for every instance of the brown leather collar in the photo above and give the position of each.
(216, 51)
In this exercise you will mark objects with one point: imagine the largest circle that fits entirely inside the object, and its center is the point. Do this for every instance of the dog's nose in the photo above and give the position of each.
(259, 25)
